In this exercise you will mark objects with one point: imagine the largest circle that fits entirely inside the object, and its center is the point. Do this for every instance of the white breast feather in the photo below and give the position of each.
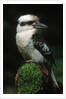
(26, 48)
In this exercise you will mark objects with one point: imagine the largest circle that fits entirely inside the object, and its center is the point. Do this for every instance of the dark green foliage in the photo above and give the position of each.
(30, 79)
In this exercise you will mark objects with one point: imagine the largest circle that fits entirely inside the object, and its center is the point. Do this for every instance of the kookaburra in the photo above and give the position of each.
(31, 45)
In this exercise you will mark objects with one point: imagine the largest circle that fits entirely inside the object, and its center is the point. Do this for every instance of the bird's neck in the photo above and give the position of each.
(23, 38)
(28, 33)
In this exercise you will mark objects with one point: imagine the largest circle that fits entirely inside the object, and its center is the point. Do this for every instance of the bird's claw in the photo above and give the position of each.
(28, 61)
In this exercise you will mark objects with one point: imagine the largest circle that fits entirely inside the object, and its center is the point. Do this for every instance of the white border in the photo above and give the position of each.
(33, 96)
(31, 2)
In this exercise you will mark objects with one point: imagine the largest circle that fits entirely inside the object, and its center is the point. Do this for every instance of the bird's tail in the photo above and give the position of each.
(54, 79)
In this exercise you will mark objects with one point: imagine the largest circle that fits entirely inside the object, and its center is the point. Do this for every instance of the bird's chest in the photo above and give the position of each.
(27, 50)
(24, 43)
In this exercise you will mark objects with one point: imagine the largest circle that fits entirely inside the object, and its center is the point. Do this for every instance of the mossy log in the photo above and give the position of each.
(34, 79)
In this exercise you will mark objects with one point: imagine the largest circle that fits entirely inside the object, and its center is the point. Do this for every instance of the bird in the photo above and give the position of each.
(31, 45)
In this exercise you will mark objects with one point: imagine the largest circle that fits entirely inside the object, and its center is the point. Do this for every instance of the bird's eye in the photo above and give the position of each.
(30, 22)
(22, 23)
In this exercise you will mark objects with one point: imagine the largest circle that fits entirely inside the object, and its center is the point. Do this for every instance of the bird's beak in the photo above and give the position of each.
(40, 25)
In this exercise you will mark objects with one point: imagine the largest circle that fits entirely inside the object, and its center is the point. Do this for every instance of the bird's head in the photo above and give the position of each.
(29, 22)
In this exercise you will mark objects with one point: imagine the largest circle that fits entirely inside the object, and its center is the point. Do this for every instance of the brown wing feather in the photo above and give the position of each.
(42, 47)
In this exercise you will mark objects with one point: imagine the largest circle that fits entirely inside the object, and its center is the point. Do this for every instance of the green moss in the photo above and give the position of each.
(30, 79)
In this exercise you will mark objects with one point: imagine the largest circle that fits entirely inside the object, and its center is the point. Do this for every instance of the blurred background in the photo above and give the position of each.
(49, 14)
